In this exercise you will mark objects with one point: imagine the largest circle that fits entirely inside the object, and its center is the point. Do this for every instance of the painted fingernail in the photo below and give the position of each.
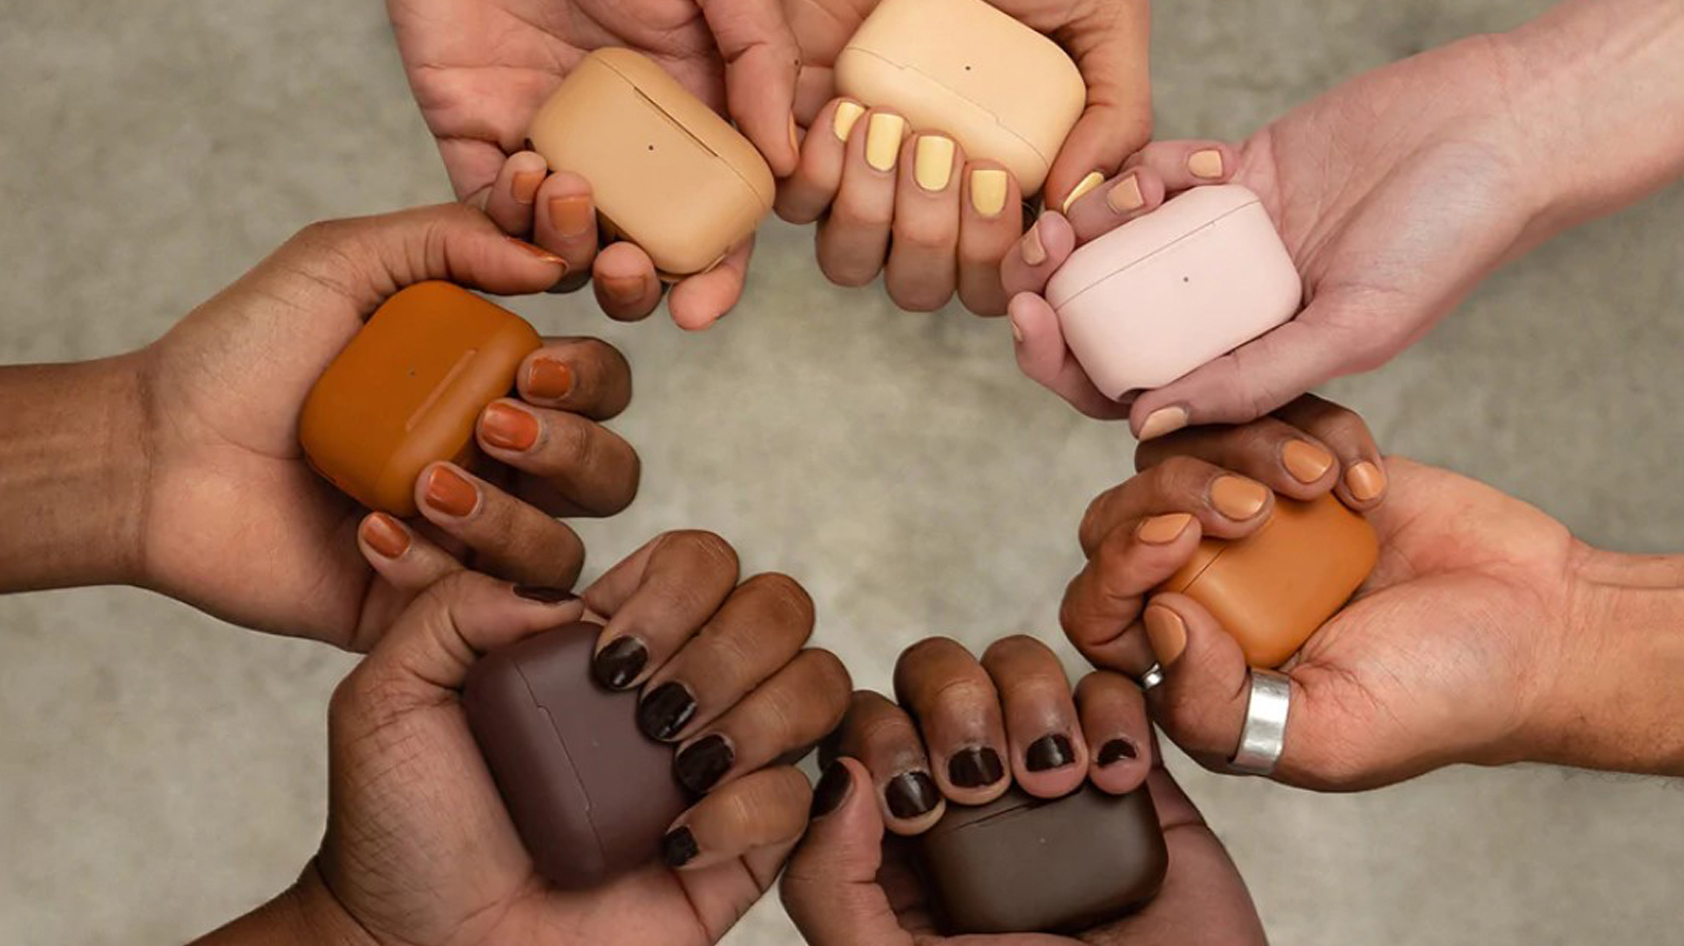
(622, 290)
(1125, 196)
(1117, 750)
(794, 137)
(664, 712)
(988, 191)
(385, 536)
(1167, 634)
(704, 763)
(1305, 461)
(1093, 180)
(548, 378)
(1017, 330)
(932, 162)
(911, 794)
(571, 216)
(1205, 164)
(525, 186)
(449, 493)
(847, 114)
(618, 664)
(1049, 752)
(509, 427)
(882, 140)
(1162, 530)
(975, 767)
(679, 848)
(1034, 252)
(540, 253)
(1164, 420)
(544, 594)
(832, 790)
(1366, 481)
(1237, 497)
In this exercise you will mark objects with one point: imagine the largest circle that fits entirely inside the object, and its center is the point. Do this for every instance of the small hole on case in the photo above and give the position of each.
(1186, 279)
(967, 68)
(651, 147)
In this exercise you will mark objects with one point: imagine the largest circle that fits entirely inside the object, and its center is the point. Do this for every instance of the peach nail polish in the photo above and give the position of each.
(794, 138)
(1125, 196)
(1305, 461)
(509, 427)
(548, 378)
(1365, 481)
(1162, 530)
(1034, 253)
(449, 493)
(1017, 331)
(540, 253)
(385, 536)
(1205, 164)
(1164, 420)
(1167, 633)
(571, 216)
(1237, 497)
(525, 186)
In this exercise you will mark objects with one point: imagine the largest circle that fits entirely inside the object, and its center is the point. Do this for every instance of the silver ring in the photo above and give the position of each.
(1264, 735)
(1152, 677)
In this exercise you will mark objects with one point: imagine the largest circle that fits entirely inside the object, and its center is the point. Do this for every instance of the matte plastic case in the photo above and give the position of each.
(666, 172)
(1168, 292)
(1021, 864)
(1002, 90)
(408, 390)
(1272, 589)
(590, 795)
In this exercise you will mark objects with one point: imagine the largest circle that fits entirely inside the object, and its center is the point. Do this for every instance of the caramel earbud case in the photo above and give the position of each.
(408, 390)
(1002, 90)
(666, 172)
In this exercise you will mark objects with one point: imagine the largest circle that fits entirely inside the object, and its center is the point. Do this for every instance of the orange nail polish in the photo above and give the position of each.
(571, 216)
(450, 494)
(509, 427)
(385, 536)
(1162, 530)
(1237, 497)
(1305, 461)
(1167, 633)
(1365, 481)
(548, 378)
(525, 186)
(540, 253)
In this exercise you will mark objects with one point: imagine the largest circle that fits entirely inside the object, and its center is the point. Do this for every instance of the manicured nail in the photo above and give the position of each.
(1117, 750)
(1093, 180)
(1206, 164)
(544, 594)
(622, 290)
(540, 253)
(1365, 481)
(571, 216)
(1164, 420)
(679, 848)
(1237, 497)
(525, 186)
(1125, 196)
(449, 493)
(911, 794)
(1162, 530)
(1049, 752)
(794, 138)
(1034, 252)
(548, 378)
(1167, 634)
(704, 763)
(882, 140)
(988, 191)
(847, 113)
(975, 767)
(385, 536)
(1017, 330)
(832, 790)
(932, 164)
(508, 427)
(618, 664)
(664, 712)
(1305, 461)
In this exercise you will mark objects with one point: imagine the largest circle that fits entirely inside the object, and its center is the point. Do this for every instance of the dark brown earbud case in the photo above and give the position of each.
(590, 795)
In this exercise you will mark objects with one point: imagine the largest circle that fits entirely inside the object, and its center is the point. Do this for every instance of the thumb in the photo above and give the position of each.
(761, 64)
(830, 888)
(1110, 47)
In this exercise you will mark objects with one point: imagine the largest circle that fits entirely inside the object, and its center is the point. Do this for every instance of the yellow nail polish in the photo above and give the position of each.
(932, 164)
(988, 191)
(1125, 196)
(1088, 183)
(1206, 164)
(882, 140)
(847, 113)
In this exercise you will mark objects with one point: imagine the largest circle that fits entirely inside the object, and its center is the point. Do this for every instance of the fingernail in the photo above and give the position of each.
(1049, 752)
(932, 164)
(704, 763)
(449, 493)
(1305, 461)
(1206, 164)
(911, 794)
(622, 290)
(679, 848)
(543, 594)
(975, 767)
(832, 790)
(794, 138)
(1034, 253)
(1365, 481)
(509, 427)
(1017, 330)
(525, 186)
(548, 378)
(1164, 420)
(1162, 530)
(1237, 497)
(540, 253)
(988, 191)
(1167, 634)
(847, 113)
(618, 664)
(1125, 196)
(1093, 180)
(385, 536)
(882, 140)
(1117, 750)
(664, 712)
(571, 216)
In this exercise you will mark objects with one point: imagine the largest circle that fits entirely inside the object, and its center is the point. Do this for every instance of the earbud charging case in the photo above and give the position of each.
(666, 172)
(961, 67)
(1167, 292)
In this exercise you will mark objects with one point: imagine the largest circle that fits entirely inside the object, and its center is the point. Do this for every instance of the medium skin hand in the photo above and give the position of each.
(852, 882)
(480, 70)
(1401, 190)
(419, 849)
(178, 468)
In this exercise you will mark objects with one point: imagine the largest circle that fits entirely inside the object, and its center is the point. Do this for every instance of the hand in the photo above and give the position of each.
(481, 69)
(849, 884)
(238, 525)
(953, 221)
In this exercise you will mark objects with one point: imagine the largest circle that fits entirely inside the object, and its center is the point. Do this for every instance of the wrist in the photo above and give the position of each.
(307, 913)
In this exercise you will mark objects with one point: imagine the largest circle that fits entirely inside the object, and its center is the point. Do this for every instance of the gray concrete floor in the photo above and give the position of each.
(161, 772)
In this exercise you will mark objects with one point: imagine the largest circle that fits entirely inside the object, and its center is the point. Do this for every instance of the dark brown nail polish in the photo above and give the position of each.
(545, 595)
(618, 664)
(1117, 750)
(911, 794)
(831, 791)
(1049, 752)
(679, 847)
(704, 763)
(975, 767)
(665, 711)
